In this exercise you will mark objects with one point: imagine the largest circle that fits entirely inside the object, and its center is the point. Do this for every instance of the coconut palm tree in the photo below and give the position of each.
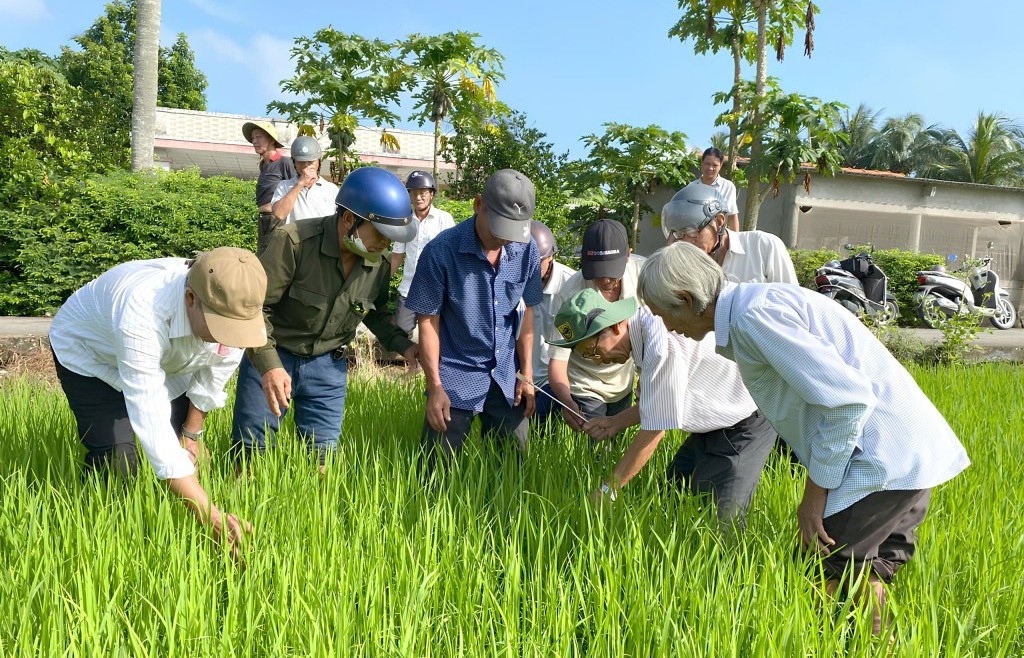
(902, 145)
(992, 154)
(859, 151)
(146, 58)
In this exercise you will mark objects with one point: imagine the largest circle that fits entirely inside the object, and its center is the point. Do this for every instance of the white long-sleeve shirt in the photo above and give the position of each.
(758, 257)
(129, 328)
(852, 414)
(684, 384)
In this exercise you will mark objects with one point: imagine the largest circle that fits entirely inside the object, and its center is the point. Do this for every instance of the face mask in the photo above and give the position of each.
(356, 246)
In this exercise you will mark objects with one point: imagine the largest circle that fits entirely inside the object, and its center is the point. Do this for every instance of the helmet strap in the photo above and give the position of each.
(717, 252)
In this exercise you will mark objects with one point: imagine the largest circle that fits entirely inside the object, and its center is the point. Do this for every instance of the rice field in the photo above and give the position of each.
(501, 556)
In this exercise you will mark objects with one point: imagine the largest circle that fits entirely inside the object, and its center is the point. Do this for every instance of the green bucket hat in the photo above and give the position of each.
(588, 312)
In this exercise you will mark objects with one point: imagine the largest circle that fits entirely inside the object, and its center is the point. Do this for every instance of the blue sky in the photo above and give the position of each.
(572, 65)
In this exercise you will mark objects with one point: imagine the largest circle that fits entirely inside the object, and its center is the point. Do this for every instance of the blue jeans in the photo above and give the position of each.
(319, 385)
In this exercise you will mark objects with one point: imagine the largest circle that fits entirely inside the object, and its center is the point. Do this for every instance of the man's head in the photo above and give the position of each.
(506, 206)
(595, 328)
(262, 135)
(306, 153)
(679, 283)
(224, 297)
(695, 217)
(547, 247)
(373, 212)
(604, 256)
(421, 188)
(710, 165)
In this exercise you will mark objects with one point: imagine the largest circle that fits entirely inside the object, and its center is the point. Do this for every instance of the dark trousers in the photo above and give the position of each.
(596, 407)
(103, 424)
(726, 464)
(497, 419)
(266, 225)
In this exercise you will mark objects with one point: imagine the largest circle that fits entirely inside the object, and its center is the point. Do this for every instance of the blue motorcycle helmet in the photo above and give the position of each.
(379, 197)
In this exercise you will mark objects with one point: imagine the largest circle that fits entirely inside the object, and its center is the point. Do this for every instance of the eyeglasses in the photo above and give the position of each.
(678, 234)
(591, 354)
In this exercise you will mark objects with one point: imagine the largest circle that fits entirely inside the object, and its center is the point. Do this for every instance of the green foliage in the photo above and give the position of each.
(628, 162)
(511, 143)
(501, 556)
(806, 261)
(959, 333)
(459, 209)
(179, 82)
(343, 78)
(992, 154)
(52, 248)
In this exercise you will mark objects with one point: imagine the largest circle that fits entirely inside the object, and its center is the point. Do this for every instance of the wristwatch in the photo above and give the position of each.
(607, 490)
(195, 436)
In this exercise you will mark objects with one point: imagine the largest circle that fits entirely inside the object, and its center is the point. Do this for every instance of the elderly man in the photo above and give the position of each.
(307, 195)
(684, 385)
(274, 168)
(553, 276)
(431, 221)
(146, 349)
(467, 292)
(873, 443)
(585, 387)
(696, 217)
(324, 277)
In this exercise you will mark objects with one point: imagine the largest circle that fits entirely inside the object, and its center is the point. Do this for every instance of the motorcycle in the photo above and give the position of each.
(941, 295)
(859, 286)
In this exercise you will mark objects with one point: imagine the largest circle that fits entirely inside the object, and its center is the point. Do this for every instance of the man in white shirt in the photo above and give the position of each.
(432, 221)
(710, 184)
(747, 257)
(587, 388)
(148, 347)
(874, 445)
(684, 385)
(553, 276)
(307, 195)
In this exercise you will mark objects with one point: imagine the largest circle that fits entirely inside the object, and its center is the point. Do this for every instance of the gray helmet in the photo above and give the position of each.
(420, 180)
(690, 208)
(306, 149)
(545, 240)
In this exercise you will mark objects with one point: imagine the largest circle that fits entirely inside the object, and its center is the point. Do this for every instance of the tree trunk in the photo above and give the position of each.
(754, 169)
(146, 61)
(437, 144)
(734, 136)
(341, 159)
(636, 223)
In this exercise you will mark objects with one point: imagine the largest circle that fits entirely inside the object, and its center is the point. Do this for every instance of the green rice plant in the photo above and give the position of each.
(498, 555)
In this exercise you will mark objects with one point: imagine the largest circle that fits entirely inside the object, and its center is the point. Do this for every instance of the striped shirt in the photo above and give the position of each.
(852, 414)
(544, 317)
(684, 384)
(129, 329)
(758, 257)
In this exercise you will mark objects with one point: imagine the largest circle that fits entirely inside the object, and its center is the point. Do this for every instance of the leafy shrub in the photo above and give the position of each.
(806, 261)
(53, 247)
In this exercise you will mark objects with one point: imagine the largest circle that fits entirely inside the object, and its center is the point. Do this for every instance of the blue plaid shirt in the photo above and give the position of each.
(477, 309)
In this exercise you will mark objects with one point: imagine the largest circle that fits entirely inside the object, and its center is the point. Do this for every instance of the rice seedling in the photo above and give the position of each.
(499, 556)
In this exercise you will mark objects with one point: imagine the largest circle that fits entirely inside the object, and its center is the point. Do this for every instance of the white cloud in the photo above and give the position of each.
(220, 45)
(25, 10)
(271, 61)
(216, 10)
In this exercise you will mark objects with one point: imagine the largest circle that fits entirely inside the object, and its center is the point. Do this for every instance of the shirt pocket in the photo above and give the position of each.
(310, 298)
(354, 313)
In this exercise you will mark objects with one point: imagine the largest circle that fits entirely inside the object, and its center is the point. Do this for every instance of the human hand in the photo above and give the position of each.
(439, 409)
(809, 516)
(602, 427)
(196, 450)
(231, 531)
(572, 419)
(412, 357)
(308, 176)
(527, 396)
(277, 387)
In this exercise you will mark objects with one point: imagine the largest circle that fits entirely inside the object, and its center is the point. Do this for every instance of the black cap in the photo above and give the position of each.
(605, 250)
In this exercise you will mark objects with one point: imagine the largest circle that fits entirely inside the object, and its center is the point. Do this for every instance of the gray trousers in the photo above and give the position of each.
(404, 319)
(726, 464)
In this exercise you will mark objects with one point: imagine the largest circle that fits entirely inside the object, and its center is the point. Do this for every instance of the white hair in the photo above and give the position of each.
(680, 267)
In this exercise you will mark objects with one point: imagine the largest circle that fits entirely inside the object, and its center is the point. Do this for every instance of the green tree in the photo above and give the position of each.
(342, 78)
(991, 155)
(903, 144)
(862, 132)
(792, 130)
(512, 143)
(453, 77)
(146, 57)
(744, 27)
(629, 162)
(181, 84)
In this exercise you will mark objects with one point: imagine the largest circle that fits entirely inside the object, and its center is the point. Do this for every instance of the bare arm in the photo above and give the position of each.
(438, 404)
(524, 350)
(227, 527)
(558, 380)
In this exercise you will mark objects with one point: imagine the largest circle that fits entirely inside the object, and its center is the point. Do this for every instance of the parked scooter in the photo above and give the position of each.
(941, 295)
(858, 285)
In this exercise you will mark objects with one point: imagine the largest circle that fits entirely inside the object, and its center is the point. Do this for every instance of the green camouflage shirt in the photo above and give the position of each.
(311, 308)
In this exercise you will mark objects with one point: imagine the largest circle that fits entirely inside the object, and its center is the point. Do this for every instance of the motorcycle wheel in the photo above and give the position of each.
(931, 313)
(1006, 315)
(888, 314)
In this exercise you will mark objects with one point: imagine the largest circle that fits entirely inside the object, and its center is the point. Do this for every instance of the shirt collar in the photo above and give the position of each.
(275, 157)
(714, 183)
(469, 242)
(723, 313)
(735, 246)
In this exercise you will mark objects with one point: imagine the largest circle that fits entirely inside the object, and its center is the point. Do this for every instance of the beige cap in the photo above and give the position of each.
(231, 285)
(265, 126)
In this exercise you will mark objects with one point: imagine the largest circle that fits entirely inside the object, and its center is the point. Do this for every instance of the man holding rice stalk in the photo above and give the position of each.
(148, 348)
(873, 443)
(684, 385)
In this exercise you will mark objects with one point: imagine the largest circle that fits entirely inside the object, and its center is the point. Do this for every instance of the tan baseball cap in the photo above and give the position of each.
(231, 285)
(265, 126)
